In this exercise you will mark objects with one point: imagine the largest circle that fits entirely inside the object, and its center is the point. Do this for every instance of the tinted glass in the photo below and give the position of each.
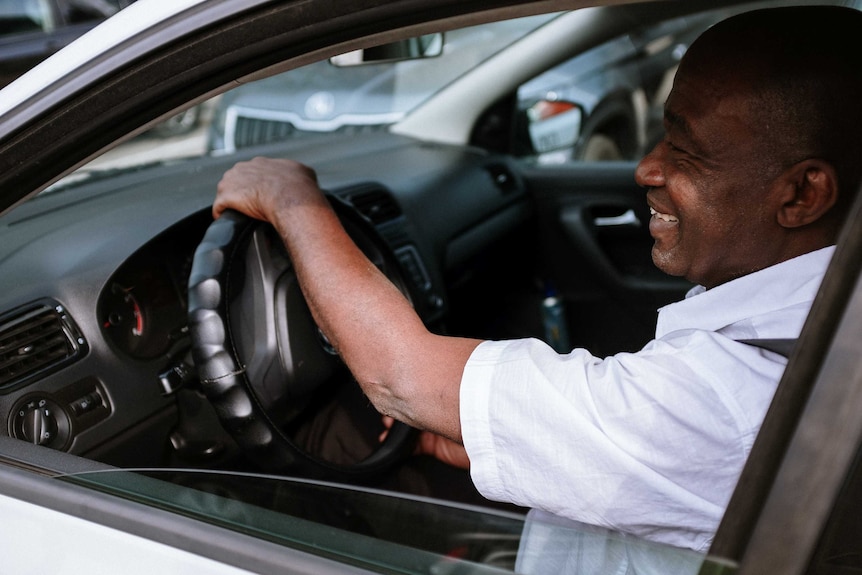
(20, 16)
(386, 532)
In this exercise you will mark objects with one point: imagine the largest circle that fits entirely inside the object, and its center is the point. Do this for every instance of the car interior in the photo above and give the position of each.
(123, 304)
(111, 377)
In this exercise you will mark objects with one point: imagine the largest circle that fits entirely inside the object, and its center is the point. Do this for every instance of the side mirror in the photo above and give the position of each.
(553, 125)
(428, 46)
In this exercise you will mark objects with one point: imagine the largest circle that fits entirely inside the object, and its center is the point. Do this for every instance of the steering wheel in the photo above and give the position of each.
(262, 361)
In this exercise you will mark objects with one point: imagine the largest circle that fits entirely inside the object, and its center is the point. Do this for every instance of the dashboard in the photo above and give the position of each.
(110, 259)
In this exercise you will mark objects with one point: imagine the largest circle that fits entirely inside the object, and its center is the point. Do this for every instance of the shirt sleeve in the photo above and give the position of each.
(647, 443)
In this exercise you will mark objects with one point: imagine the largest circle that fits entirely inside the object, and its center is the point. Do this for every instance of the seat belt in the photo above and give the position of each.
(780, 346)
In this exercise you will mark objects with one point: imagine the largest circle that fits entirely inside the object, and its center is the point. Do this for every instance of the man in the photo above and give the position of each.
(747, 190)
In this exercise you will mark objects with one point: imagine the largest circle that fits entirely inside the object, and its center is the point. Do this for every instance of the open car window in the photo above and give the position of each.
(602, 104)
(319, 100)
(389, 533)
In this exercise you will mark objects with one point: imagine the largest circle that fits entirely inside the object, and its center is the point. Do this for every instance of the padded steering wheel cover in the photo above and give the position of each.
(223, 377)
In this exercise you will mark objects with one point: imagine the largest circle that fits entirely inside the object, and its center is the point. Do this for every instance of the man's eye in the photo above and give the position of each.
(672, 147)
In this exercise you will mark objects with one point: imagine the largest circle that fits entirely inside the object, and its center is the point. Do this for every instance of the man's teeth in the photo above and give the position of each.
(663, 217)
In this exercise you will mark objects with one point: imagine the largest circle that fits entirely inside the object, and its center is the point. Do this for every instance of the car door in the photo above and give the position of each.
(593, 233)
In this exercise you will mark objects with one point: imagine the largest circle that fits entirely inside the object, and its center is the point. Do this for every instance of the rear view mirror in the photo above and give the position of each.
(427, 46)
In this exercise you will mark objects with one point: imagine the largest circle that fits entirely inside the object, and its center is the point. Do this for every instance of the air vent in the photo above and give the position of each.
(377, 205)
(35, 341)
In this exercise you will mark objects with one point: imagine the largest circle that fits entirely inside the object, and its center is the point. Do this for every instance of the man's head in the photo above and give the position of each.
(763, 147)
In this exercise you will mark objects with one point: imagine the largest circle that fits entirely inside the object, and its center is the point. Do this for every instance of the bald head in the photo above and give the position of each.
(802, 70)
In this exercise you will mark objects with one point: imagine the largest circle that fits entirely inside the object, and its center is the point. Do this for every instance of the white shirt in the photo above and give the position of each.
(648, 443)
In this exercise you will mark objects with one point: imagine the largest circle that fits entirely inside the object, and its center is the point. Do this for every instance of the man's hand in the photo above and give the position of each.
(263, 187)
(436, 446)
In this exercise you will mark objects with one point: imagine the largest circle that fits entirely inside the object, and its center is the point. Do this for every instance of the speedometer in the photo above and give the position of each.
(123, 319)
(141, 311)
(126, 321)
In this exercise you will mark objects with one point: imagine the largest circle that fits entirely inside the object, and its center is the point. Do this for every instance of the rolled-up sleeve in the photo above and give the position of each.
(645, 443)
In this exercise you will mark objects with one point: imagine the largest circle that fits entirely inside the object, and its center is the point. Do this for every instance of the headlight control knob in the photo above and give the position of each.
(39, 426)
(41, 421)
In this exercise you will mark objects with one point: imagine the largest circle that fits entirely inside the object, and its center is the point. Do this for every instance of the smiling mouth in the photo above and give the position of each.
(662, 217)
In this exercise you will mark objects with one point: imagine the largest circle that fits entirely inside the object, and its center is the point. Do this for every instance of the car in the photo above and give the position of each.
(32, 30)
(118, 292)
(615, 89)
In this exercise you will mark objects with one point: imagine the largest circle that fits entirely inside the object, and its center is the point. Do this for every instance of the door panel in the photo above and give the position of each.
(594, 240)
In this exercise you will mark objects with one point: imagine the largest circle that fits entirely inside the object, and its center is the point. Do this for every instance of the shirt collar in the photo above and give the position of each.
(785, 284)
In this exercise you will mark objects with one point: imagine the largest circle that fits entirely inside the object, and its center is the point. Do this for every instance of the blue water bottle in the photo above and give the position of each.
(554, 321)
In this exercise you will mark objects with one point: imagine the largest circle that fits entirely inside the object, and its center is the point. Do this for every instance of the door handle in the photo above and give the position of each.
(627, 219)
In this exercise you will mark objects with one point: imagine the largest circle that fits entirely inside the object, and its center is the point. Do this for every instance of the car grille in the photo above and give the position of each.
(254, 132)
(247, 127)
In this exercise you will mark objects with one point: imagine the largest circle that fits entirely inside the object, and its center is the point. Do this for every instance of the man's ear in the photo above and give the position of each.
(809, 190)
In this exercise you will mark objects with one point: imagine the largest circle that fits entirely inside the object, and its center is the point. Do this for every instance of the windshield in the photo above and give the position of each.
(320, 99)
(385, 532)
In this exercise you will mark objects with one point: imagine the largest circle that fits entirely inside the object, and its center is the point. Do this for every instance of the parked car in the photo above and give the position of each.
(616, 91)
(32, 30)
(354, 93)
(115, 455)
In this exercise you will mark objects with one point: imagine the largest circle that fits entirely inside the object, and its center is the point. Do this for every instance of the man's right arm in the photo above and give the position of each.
(406, 371)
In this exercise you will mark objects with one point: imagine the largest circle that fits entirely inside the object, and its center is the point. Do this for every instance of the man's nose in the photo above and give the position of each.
(649, 172)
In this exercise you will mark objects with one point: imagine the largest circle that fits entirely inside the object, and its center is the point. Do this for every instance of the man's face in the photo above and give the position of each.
(707, 183)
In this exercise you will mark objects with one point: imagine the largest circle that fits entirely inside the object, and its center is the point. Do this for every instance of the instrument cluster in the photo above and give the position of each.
(143, 308)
